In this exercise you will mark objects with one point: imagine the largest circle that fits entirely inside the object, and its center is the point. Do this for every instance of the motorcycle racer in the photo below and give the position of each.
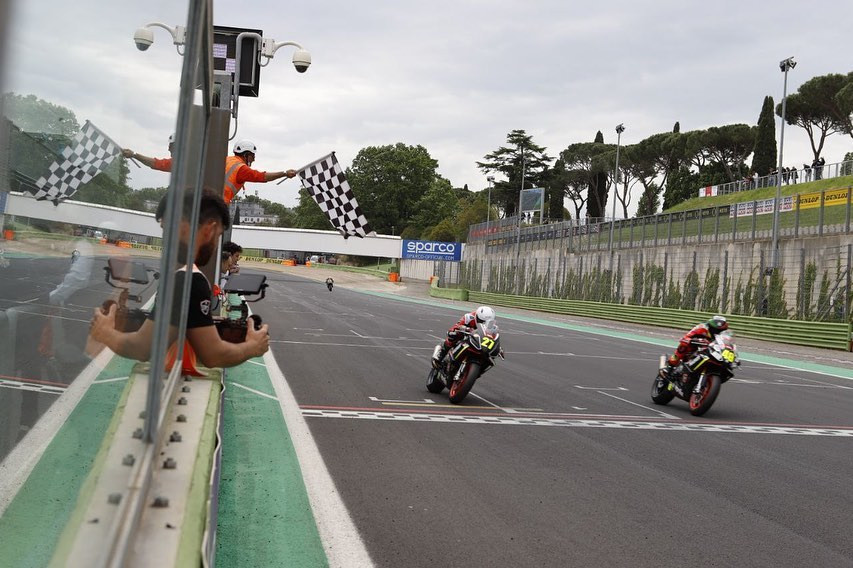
(454, 334)
(697, 337)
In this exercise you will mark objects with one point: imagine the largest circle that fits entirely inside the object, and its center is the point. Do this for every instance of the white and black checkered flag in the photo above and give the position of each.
(90, 152)
(327, 184)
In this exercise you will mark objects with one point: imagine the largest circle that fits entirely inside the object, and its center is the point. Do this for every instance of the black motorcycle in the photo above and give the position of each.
(466, 362)
(698, 380)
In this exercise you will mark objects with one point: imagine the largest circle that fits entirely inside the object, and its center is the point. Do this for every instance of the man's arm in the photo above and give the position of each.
(212, 351)
(134, 345)
(246, 173)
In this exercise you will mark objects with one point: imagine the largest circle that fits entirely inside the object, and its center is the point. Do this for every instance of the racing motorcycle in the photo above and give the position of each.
(467, 361)
(698, 380)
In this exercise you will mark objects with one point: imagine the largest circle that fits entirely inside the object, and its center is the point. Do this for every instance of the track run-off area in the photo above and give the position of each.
(558, 457)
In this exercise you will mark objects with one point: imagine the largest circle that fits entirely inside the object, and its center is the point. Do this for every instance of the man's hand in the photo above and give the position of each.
(127, 152)
(103, 325)
(290, 173)
(257, 340)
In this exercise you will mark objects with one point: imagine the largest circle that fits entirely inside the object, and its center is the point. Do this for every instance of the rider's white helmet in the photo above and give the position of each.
(245, 146)
(485, 313)
(171, 138)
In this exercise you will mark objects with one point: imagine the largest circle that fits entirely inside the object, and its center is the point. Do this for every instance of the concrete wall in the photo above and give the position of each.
(736, 261)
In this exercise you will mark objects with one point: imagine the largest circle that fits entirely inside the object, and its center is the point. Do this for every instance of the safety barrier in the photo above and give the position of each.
(798, 332)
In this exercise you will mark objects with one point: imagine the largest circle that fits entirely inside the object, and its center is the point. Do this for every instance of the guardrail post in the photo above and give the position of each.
(665, 272)
(631, 236)
(802, 284)
(797, 216)
(847, 215)
(724, 297)
(847, 284)
(820, 213)
(699, 234)
(684, 228)
(669, 231)
(657, 220)
(716, 224)
(754, 211)
(734, 210)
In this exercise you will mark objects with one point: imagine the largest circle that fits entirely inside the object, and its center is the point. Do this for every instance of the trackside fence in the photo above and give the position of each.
(810, 333)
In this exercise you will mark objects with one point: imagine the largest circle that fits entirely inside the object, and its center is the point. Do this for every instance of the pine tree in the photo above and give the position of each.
(764, 152)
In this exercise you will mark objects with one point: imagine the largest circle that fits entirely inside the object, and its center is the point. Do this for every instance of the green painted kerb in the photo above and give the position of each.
(265, 517)
(36, 517)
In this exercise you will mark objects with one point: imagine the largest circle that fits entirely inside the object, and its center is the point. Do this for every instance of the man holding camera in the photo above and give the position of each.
(201, 334)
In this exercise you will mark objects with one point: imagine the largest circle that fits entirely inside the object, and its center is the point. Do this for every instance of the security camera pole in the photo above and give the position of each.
(784, 66)
(301, 60)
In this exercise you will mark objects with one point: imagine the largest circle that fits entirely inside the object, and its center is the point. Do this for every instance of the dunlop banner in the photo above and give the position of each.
(831, 197)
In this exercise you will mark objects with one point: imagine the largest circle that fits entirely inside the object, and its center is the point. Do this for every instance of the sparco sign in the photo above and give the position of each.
(432, 250)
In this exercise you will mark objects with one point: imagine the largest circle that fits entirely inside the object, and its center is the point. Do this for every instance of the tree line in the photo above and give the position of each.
(401, 192)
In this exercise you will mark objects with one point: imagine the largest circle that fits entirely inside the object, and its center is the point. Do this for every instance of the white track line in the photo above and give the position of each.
(341, 540)
(19, 463)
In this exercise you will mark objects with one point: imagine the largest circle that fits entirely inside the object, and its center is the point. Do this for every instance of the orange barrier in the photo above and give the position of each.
(9, 235)
(394, 276)
(289, 263)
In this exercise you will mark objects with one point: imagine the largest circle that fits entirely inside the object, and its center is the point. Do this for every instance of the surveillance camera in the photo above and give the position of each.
(143, 38)
(302, 60)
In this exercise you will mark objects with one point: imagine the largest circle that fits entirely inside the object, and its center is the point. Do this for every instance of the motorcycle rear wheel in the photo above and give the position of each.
(434, 383)
(660, 392)
(701, 402)
(460, 389)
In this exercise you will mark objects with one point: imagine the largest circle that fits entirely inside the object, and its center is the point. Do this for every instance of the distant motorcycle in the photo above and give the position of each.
(698, 380)
(466, 362)
(330, 283)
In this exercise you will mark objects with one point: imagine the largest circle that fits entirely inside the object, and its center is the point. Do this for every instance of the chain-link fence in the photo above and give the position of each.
(819, 213)
(811, 280)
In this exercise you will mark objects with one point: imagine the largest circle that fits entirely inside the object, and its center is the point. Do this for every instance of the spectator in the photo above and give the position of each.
(807, 173)
(820, 164)
(793, 172)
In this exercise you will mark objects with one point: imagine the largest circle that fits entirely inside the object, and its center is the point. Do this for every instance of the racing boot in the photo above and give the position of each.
(438, 356)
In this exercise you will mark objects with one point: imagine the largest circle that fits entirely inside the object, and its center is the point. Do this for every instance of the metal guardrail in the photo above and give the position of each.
(819, 212)
(798, 332)
(791, 176)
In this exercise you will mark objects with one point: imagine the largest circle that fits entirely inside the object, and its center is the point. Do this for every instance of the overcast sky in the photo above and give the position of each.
(455, 77)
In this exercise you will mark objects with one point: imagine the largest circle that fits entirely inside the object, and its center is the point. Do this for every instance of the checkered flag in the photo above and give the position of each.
(325, 181)
(90, 152)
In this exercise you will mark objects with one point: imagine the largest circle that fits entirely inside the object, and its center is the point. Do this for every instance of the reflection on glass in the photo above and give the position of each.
(76, 91)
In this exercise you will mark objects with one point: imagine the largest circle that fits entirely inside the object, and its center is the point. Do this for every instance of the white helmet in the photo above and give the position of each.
(245, 146)
(171, 138)
(485, 313)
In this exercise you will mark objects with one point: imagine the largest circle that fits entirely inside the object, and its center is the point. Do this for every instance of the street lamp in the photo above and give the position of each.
(620, 128)
(491, 180)
(144, 36)
(784, 66)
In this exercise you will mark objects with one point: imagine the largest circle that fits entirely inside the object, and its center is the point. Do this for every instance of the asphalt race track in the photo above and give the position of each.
(44, 350)
(559, 457)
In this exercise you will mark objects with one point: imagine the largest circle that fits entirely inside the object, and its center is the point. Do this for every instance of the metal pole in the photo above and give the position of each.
(619, 130)
(785, 65)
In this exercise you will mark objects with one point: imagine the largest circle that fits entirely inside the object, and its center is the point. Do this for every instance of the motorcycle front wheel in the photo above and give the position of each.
(434, 383)
(701, 402)
(460, 388)
(660, 391)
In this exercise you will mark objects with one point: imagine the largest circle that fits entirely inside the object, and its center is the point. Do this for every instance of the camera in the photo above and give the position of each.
(235, 325)
(301, 60)
(127, 272)
(143, 37)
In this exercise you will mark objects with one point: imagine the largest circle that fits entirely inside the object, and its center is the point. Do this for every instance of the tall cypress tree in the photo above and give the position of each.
(596, 203)
(764, 153)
